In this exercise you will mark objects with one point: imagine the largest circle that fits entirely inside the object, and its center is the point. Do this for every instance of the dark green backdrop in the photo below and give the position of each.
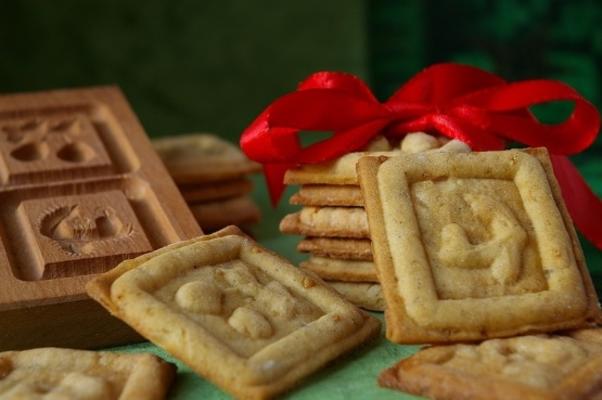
(213, 65)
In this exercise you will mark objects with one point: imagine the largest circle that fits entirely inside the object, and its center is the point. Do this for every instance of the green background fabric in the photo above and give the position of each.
(214, 65)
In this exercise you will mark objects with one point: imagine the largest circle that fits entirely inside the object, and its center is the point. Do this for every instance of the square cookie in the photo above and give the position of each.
(474, 246)
(237, 314)
(542, 367)
(54, 373)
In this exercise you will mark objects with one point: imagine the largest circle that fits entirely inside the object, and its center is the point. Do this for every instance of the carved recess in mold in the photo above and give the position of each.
(51, 145)
(80, 234)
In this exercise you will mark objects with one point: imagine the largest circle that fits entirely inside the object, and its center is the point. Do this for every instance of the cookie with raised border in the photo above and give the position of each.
(54, 373)
(202, 157)
(346, 249)
(542, 367)
(237, 314)
(484, 235)
(341, 270)
(341, 222)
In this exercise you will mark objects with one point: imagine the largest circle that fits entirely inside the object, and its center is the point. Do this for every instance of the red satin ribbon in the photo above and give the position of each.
(456, 101)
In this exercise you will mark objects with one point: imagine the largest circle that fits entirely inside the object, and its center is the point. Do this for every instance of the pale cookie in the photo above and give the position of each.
(53, 373)
(552, 367)
(328, 195)
(365, 295)
(195, 193)
(346, 249)
(342, 222)
(202, 157)
(484, 235)
(217, 214)
(342, 171)
(341, 270)
(237, 314)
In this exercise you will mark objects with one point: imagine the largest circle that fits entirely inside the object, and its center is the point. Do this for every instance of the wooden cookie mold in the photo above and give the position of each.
(81, 190)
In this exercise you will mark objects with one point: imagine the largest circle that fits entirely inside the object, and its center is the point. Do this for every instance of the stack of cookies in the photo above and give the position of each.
(212, 175)
(334, 222)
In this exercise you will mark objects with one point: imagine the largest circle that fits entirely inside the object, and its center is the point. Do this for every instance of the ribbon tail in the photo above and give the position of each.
(274, 176)
(583, 204)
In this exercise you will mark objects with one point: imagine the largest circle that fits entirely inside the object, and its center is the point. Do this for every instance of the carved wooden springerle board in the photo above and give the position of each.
(81, 189)
(474, 246)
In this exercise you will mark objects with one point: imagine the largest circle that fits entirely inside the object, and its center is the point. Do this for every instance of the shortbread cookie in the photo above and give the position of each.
(202, 157)
(196, 193)
(53, 373)
(484, 235)
(217, 214)
(237, 314)
(337, 172)
(342, 171)
(346, 249)
(332, 269)
(365, 295)
(328, 195)
(341, 222)
(553, 367)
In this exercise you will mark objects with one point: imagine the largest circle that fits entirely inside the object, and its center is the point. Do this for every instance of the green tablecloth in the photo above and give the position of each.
(352, 376)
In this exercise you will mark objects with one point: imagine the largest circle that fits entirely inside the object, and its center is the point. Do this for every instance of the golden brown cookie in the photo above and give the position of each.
(328, 195)
(341, 222)
(234, 211)
(542, 367)
(346, 249)
(332, 269)
(484, 235)
(53, 373)
(368, 296)
(202, 157)
(237, 314)
(197, 193)
(342, 170)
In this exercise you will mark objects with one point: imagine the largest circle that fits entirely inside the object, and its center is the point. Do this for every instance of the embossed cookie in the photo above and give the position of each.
(342, 171)
(543, 367)
(237, 314)
(53, 373)
(196, 193)
(346, 249)
(365, 295)
(341, 270)
(202, 157)
(342, 222)
(217, 214)
(484, 235)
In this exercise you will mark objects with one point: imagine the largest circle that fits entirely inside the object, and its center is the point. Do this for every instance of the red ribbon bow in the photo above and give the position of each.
(456, 101)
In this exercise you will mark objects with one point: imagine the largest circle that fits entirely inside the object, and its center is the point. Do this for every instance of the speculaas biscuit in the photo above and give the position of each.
(237, 314)
(53, 373)
(368, 296)
(346, 249)
(197, 193)
(341, 222)
(342, 171)
(328, 195)
(341, 270)
(202, 157)
(542, 367)
(234, 211)
(484, 235)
